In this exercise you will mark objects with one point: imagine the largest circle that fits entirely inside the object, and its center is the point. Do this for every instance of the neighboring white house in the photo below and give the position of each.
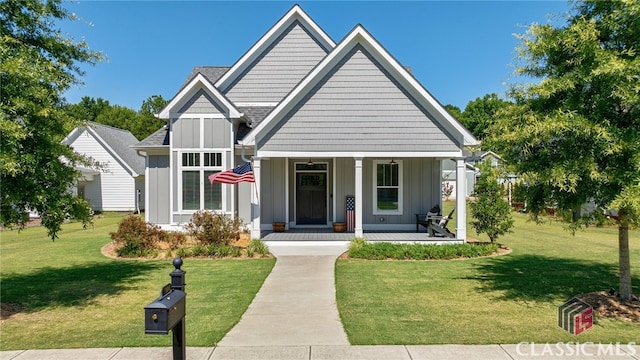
(119, 184)
(328, 128)
(472, 171)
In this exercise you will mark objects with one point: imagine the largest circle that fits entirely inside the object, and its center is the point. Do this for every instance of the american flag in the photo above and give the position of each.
(240, 173)
(351, 213)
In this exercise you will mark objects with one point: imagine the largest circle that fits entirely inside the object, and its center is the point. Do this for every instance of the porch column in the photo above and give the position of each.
(358, 226)
(255, 200)
(461, 200)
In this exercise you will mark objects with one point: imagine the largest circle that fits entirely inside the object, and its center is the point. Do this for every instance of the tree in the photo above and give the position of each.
(37, 65)
(575, 135)
(149, 123)
(490, 211)
(141, 124)
(480, 114)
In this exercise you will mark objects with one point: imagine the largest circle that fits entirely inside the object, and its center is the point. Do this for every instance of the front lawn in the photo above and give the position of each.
(504, 299)
(66, 294)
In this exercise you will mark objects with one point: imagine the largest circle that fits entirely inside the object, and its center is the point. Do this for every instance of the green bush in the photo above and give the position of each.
(387, 250)
(257, 246)
(214, 228)
(135, 237)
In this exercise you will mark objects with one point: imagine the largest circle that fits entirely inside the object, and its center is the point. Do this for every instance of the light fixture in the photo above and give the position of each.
(309, 163)
(392, 162)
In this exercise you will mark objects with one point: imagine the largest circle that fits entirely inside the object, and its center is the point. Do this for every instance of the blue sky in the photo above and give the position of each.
(458, 50)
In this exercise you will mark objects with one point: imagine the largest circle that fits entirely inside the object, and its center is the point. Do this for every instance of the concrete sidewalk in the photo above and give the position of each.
(323, 352)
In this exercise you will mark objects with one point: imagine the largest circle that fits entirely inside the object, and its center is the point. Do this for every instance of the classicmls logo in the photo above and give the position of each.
(575, 316)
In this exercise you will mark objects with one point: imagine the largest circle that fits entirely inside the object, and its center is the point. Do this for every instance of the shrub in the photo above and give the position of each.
(491, 213)
(386, 250)
(357, 243)
(175, 240)
(214, 228)
(135, 237)
(257, 246)
(182, 253)
(198, 250)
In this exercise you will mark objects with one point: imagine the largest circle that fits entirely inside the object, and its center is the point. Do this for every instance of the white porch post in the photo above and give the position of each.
(461, 200)
(255, 200)
(358, 226)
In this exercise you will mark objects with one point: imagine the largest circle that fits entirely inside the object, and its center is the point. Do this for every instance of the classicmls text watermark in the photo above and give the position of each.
(575, 316)
(579, 350)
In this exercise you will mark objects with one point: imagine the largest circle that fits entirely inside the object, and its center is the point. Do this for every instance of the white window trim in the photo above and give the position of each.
(201, 169)
(374, 186)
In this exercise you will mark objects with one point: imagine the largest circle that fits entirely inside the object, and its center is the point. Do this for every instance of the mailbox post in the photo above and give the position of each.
(168, 311)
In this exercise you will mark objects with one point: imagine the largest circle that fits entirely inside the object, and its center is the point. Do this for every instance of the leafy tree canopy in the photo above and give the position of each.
(575, 135)
(37, 65)
(479, 114)
(141, 123)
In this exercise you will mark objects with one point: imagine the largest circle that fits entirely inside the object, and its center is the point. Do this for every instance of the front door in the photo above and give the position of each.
(311, 198)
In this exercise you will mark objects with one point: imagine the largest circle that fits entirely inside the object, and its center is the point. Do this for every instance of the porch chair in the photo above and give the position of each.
(438, 227)
(426, 219)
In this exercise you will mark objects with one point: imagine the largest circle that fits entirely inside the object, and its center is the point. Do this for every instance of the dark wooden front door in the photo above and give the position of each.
(311, 198)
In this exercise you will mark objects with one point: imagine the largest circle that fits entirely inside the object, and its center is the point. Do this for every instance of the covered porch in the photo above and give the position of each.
(306, 194)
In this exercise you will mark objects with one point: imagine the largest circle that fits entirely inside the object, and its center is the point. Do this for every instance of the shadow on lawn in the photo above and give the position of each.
(71, 286)
(541, 278)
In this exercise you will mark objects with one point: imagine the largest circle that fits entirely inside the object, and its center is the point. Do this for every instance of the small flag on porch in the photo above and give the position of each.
(351, 213)
(240, 173)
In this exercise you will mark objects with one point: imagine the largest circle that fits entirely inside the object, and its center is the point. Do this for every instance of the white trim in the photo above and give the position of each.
(180, 116)
(295, 193)
(358, 194)
(389, 227)
(255, 104)
(461, 200)
(334, 190)
(349, 154)
(147, 208)
(286, 194)
(255, 199)
(201, 169)
(267, 39)
(359, 36)
(197, 83)
(374, 186)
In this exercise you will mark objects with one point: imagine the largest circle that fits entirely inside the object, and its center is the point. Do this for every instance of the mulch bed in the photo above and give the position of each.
(607, 305)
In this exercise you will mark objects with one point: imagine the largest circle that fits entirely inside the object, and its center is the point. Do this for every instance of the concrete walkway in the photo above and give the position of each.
(297, 302)
(323, 352)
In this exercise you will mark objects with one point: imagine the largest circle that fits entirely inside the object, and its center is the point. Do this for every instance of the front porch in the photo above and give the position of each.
(327, 235)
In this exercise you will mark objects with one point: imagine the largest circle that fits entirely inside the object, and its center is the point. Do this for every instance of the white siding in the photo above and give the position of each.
(114, 188)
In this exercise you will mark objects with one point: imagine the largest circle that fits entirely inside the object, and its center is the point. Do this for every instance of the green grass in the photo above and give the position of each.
(504, 299)
(69, 295)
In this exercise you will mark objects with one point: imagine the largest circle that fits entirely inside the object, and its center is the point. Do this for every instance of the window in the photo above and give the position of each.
(197, 192)
(387, 189)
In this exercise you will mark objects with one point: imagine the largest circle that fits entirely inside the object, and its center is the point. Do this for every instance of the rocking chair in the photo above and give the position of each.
(437, 226)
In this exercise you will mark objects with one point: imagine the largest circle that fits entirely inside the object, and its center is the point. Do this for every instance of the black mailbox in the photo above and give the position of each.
(164, 313)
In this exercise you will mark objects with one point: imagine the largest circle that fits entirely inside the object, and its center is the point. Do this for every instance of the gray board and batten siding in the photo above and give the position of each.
(279, 68)
(158, 189)
(358, 106)
(419, 192)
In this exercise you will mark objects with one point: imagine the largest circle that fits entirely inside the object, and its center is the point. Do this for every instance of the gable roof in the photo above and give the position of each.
(211, 73)
(360, 37)
(197, 83)
(117, 142)
(159, 139)
(295, 14)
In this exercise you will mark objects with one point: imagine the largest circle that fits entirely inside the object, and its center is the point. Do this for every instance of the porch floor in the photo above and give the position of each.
(328, 235)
